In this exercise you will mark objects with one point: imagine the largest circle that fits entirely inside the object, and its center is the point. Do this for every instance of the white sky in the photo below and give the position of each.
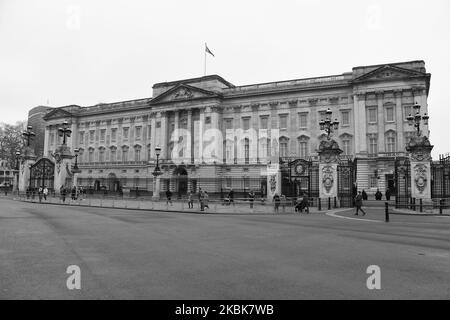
(85, 52)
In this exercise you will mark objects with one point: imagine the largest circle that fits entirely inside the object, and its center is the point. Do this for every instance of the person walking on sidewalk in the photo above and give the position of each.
(62, 191)
(201, 200)
(205, 200)
(251, 198)
(191, 200)
(305, 203)
(231, 196)
(45, 193)
(358, 203)
(276, 200)
(40, 193)
(169, 197)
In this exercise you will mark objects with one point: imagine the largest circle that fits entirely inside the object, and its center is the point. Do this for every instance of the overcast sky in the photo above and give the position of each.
(60, 52)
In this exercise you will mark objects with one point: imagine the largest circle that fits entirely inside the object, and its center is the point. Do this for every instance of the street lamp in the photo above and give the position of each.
(157, 170)
(328, 125)
(18, 169)
(64, 131)
(417, 118)
(75, 167)
(28, 135)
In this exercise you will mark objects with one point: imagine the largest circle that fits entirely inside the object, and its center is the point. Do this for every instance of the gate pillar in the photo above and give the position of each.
(273, 180)
(419, 149)
(63, 161)
(328, 164)
(28, 159)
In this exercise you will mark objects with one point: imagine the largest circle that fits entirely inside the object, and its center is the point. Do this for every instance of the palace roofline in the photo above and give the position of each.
(232, 91)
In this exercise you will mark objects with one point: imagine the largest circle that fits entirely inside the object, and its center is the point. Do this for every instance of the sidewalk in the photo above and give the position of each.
(215, 207)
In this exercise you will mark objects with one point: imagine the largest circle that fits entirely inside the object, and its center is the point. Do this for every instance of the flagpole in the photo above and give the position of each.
(204, 69)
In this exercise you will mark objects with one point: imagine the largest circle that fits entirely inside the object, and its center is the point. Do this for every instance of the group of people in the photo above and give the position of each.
(300, 204)
(74, 192)
(378, 195)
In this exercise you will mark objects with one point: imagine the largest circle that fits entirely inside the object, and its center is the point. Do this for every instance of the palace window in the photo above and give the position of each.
(52, 139)
(390, 114)
(138, 133)
(125, 154)
(229, 150)
(391, 141)
(372, 114)
(101, 155)
(91, 155)
(283, 121)
(113, 134)
(283, 147)
(373, 181)
(373, 145)
(137, 154)
(345, 117)
(81, 137)
(407, 110)
(102, 135)
(228, 124)
(264, 149)
(125, 133)
(246, 123)
(149, 132)
(91, 136)
(113, 154)
(264, 122)
(303, 147)
(303, 120)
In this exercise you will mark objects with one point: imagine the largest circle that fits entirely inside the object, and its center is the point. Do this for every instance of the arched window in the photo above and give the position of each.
(124, 154)
(91, 155)
(284, 146)
(303, 146)
(247, 150)
(346, 144)
(229, 151)
(113, 154)
(80, 155)
(391, 141)
(101, 154)
(137, 153)
(264, 148)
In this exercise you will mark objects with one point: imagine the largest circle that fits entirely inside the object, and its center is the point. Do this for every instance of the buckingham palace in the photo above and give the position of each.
(216, 135)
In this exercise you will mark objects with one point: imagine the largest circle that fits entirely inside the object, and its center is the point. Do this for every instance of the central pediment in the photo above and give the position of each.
(57, 114)
(389, 72)
(184, 92)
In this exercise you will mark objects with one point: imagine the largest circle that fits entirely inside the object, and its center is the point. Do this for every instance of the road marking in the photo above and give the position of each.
(350, 218)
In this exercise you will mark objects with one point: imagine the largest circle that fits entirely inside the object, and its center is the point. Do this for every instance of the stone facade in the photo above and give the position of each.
(208, 127)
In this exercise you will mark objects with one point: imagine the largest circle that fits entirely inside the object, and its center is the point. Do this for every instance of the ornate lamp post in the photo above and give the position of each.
(417, 118)
(64, 131)
(28, 135)
(17, 169)
(156, 173)
(328, 125)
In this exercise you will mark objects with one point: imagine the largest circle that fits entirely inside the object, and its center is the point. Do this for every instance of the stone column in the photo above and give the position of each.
(419, 149)
(200, 134)
(163, 134)
(360, 123)
(328, 162)
(399, 120)
(46, 141)
(156, 188)
(28, 160)
(190, 138)
(63, 168)
(380, 121)
(153, 142)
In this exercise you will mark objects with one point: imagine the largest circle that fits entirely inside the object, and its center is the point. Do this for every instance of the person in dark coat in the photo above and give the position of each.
(364, 195)
(378, 195)
(231, 196)
(169, 197)
(251, 198)
(358, 203)
(276, 200)
(388, 194)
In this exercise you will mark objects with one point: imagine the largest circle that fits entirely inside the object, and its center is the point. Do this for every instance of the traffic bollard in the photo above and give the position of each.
(386, 212)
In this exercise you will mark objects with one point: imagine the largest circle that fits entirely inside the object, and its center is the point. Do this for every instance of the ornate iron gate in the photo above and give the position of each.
(440, 178)
(302, 176)
(346, 172)
(402, 182)
(42, 173)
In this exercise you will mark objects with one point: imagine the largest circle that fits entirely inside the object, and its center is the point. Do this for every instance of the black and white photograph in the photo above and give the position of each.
(224, 155)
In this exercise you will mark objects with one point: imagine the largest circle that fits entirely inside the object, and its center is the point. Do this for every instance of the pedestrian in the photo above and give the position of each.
(364, 195)
(378, 195)
(305, 203)
(74, 193)
(191, 200)
(62, 192)
(298, 204)
(358, 203)
(388, 194)
(201, 199)
(205, 200)
(231, 196)
(283, 201)
(45, 193)
(251, 198)
(40, 193)
(169, 197)
(276, 200)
